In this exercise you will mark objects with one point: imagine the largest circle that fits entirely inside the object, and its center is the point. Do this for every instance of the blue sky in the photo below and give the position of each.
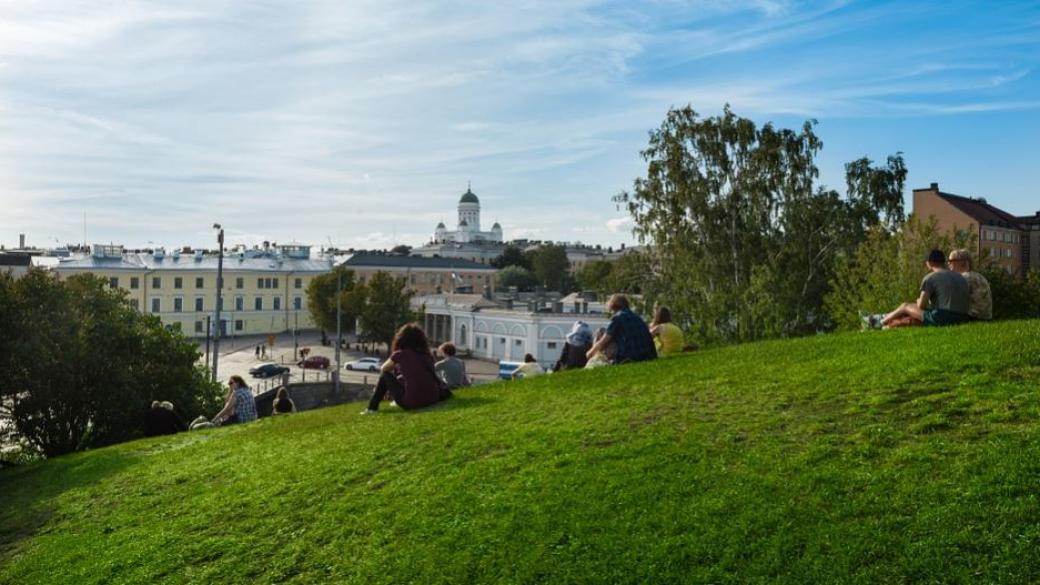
(361, 122)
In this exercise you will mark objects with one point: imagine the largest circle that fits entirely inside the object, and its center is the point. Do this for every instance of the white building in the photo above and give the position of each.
(488, 331)
(468, 229)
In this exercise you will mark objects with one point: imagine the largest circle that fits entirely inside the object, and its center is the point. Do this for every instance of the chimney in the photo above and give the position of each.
(934, 186)
(21, 241)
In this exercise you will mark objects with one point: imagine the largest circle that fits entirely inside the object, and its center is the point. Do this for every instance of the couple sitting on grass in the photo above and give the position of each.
(949, 296)
(409, 377)
(582, 349)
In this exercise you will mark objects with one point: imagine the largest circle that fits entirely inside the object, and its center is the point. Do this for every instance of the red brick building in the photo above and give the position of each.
(1011, 241)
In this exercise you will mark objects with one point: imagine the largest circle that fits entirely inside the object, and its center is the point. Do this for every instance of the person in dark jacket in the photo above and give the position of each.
(161, 420)
(577, 345)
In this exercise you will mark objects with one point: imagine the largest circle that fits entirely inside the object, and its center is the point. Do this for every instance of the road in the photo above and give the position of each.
(238, 355)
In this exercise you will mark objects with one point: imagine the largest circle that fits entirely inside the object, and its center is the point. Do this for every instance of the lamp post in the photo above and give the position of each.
(339, 328)
(216, 308)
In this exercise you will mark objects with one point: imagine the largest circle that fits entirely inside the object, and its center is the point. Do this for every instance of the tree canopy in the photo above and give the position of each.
(386, 308)
(321, 299)
(742, 240)
(512, 256)
(81, 366)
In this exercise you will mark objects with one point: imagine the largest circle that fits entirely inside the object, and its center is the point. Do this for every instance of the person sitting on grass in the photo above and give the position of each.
(408, 376)
(605, 355)
(668, 338)
(980, 296)
(451, 369)
(943, 300)
(240, 405)
(282, 403)
(529, 368)
(629, 334)
(576, 345)
(161, 420)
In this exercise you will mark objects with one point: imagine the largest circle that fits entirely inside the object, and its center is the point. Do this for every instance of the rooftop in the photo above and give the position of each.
(184, 262)
(978, 209)
(418, 262)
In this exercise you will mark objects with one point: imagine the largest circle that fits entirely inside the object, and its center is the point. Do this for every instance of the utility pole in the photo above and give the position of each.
(207, 340)
(339, 328)
(295, 332)
(220, 286)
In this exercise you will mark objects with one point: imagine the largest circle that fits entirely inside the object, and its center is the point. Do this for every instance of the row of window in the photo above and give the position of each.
(445, 278)
(178, 282)
(998, 236)
(258, 304)
(200, 326)
(1000, 252)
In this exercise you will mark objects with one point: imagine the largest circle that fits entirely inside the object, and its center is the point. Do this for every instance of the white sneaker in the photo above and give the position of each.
(369, 411)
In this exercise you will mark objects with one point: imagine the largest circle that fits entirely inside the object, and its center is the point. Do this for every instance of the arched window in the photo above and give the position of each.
(462, 335)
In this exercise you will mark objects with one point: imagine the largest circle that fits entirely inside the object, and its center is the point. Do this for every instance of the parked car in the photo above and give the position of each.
(268, 370)
(369, 364)
(315, 362)
(506, 369)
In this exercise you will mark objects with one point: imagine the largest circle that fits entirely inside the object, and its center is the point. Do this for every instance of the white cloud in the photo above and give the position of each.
(350, 119)
(619, 224)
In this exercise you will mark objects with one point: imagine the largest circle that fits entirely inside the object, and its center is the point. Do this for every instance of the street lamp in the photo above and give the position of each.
(339, 327)
(216, 308)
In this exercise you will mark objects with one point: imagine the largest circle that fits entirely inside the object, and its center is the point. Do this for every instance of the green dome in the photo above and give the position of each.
(469, 197)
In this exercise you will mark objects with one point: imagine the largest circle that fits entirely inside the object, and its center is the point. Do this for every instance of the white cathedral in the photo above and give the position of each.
(468, 230)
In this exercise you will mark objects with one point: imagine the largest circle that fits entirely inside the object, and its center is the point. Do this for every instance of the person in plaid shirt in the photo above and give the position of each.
(240, 406)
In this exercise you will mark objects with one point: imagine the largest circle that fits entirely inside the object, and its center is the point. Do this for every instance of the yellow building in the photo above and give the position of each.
(264, 290)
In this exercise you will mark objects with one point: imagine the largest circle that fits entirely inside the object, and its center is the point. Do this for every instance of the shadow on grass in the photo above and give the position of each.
(30, 491)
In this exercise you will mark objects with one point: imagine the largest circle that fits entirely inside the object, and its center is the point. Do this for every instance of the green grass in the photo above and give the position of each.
(908, 456)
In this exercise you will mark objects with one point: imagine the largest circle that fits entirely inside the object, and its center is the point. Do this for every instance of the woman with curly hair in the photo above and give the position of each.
(408, 377)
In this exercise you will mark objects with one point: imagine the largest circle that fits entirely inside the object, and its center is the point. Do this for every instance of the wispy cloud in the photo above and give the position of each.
(347, 120)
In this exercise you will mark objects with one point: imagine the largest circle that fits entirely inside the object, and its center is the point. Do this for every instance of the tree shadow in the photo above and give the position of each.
(30, 491)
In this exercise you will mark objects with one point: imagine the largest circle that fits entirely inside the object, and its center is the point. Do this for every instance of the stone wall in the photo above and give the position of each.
(311, 395)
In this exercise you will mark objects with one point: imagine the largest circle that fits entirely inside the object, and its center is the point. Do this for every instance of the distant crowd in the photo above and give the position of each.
(411, 378)
(951, 293)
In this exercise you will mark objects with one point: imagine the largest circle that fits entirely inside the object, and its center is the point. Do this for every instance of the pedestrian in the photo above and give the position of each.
(257, 352)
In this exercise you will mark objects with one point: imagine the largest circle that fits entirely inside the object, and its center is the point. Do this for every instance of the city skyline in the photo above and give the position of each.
(323, 122)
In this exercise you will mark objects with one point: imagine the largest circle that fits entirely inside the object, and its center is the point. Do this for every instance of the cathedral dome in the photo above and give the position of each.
(469, 197)
(463, 223)
(496, 226)
(441, 226)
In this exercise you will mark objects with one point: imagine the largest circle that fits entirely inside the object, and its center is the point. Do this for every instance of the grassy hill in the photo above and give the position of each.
(906, 456)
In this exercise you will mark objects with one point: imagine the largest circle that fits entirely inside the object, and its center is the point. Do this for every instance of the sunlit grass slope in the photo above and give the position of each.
(907, 456)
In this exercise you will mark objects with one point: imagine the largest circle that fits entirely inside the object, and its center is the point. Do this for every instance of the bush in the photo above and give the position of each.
(1014, 296)
(82, 366)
